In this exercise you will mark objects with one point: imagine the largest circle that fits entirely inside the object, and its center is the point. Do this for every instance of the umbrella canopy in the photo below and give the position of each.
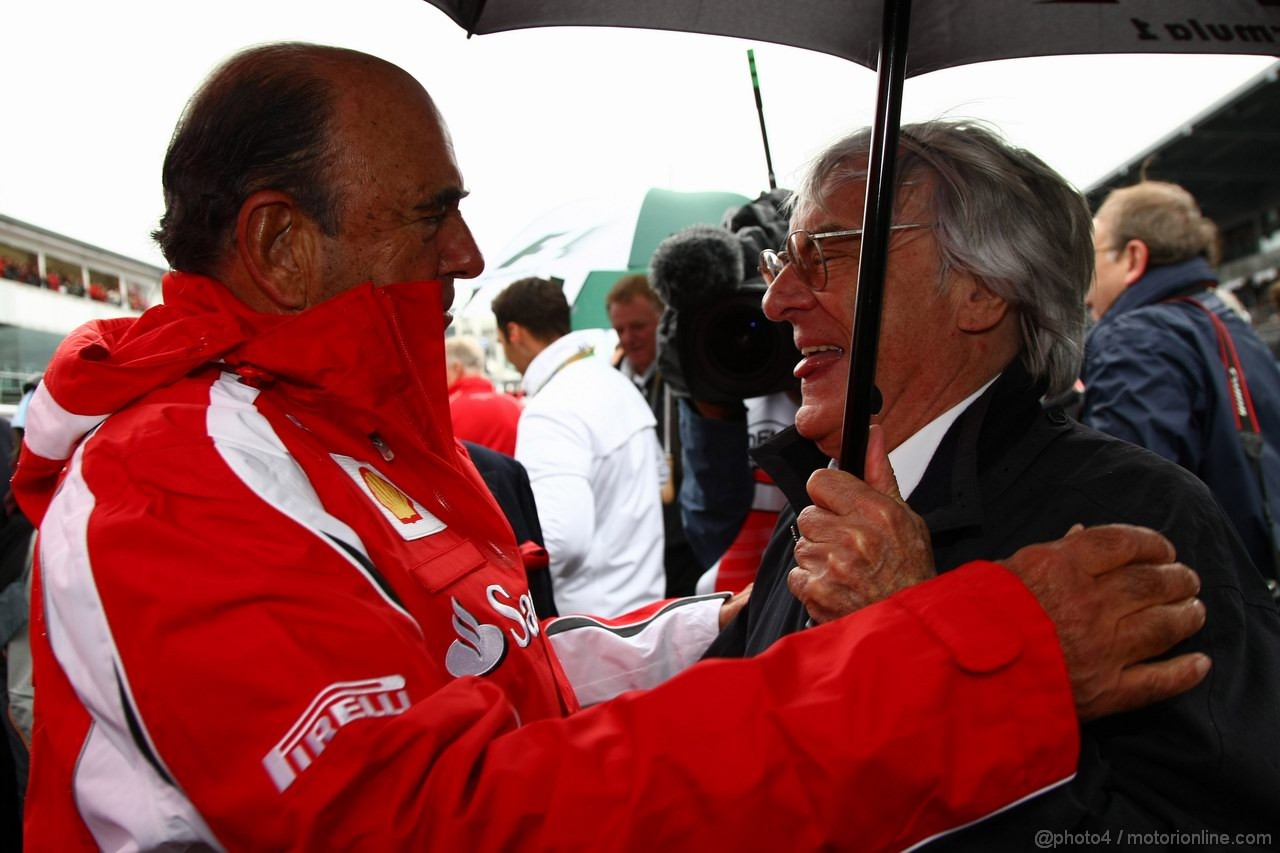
(944, 33)
(900, 38)
(589, 245)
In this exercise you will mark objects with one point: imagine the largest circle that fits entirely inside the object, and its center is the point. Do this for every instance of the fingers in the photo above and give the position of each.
(802, 584)
(1101, 549)
(879, 472)
(1132, 588)
(822, 598)
(836, 490)
(821, 531)
(1146, 683)
(733, 605)
(837, 497)
(1155, 630)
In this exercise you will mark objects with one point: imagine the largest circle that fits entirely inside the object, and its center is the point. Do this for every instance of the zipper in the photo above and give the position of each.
(387, 453)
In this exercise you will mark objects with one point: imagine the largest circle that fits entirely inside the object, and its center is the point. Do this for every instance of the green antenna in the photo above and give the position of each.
(764, 133)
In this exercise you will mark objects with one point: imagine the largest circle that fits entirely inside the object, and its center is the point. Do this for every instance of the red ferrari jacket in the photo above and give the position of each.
(276, 608)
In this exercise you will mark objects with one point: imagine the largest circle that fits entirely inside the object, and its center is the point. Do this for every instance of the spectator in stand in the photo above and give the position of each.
(478, 411)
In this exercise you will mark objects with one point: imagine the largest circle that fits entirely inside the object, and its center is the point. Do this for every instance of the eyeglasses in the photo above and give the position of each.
(803, 252)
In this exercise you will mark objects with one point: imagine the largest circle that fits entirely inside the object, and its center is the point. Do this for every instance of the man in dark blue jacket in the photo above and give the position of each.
(1169, 366)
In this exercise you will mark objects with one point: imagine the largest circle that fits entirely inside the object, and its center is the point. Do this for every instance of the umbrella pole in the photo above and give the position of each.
(862, 400)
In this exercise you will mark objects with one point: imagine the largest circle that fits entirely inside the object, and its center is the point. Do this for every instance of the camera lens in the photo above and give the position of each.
(729, 349)
(742, 340)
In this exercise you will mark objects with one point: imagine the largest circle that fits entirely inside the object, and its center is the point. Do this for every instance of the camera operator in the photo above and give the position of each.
(730, 367)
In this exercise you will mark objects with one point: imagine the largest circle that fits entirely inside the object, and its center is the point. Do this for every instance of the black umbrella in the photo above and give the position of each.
(881, 35)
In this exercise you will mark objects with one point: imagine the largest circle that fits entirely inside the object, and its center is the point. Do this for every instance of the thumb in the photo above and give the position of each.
(879, 473)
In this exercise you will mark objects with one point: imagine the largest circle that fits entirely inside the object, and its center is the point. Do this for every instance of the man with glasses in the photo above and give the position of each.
(989, 260)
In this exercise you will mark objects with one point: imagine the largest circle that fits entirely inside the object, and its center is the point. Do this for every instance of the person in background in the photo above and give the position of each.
(634, 310)
(586, 438)
(479, 412)
(1171, 367)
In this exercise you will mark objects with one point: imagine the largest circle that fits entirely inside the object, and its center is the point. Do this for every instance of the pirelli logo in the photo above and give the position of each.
(334, 707)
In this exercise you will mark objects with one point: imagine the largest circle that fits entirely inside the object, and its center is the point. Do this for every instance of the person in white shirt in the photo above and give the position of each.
(587, 439)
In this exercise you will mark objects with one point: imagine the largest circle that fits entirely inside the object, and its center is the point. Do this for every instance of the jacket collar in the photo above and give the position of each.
(789, 458)
(1161, 283)
(988, 447)
(397, 364)
(998, 427)
(470, 385)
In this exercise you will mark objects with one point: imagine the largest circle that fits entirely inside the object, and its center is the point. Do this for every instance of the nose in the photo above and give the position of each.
(785, 294)
(460, 257)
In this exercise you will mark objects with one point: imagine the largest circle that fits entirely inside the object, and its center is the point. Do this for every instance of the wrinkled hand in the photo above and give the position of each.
(1116, 599)
(860, 542)
(733, 604)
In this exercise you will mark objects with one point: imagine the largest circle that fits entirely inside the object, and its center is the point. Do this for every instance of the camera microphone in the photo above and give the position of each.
(714, 331)
(696, 264)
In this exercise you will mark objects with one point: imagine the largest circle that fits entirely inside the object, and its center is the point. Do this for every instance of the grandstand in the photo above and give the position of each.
(1228, 157)
(49, 285)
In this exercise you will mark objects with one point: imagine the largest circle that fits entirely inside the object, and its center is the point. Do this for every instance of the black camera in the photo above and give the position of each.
(730, 350)
(714, 340)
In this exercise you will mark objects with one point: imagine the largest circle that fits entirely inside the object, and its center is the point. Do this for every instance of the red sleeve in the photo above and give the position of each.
(916, 716)
(912, 717)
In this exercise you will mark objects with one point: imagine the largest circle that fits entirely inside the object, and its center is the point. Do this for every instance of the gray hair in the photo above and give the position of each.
(466, 351)
(999, 214)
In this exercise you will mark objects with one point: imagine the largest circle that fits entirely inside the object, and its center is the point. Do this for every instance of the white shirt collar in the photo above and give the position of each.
(546, 363)
(912, 457)
(638, 378)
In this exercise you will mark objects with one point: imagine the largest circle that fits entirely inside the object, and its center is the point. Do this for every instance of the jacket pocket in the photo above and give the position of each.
(439, 570)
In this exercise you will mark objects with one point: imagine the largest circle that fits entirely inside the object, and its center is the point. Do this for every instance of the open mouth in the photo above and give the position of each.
(814, 358)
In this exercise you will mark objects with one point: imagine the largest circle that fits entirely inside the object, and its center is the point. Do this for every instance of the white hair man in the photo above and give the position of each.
(990, 257)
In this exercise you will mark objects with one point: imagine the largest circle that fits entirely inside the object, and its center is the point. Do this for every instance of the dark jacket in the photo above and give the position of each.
(1009, 474)
(1153, 376)
(509, 482)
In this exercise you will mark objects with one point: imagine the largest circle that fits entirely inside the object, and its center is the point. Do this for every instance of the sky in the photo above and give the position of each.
(539, 118)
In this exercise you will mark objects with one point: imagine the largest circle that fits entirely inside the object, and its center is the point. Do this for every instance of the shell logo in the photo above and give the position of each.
(396, 501)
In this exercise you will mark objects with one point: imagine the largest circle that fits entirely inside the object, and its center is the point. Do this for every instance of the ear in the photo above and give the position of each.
(979, 309)
(276, 246)
(1135, 256)
(514, 333)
